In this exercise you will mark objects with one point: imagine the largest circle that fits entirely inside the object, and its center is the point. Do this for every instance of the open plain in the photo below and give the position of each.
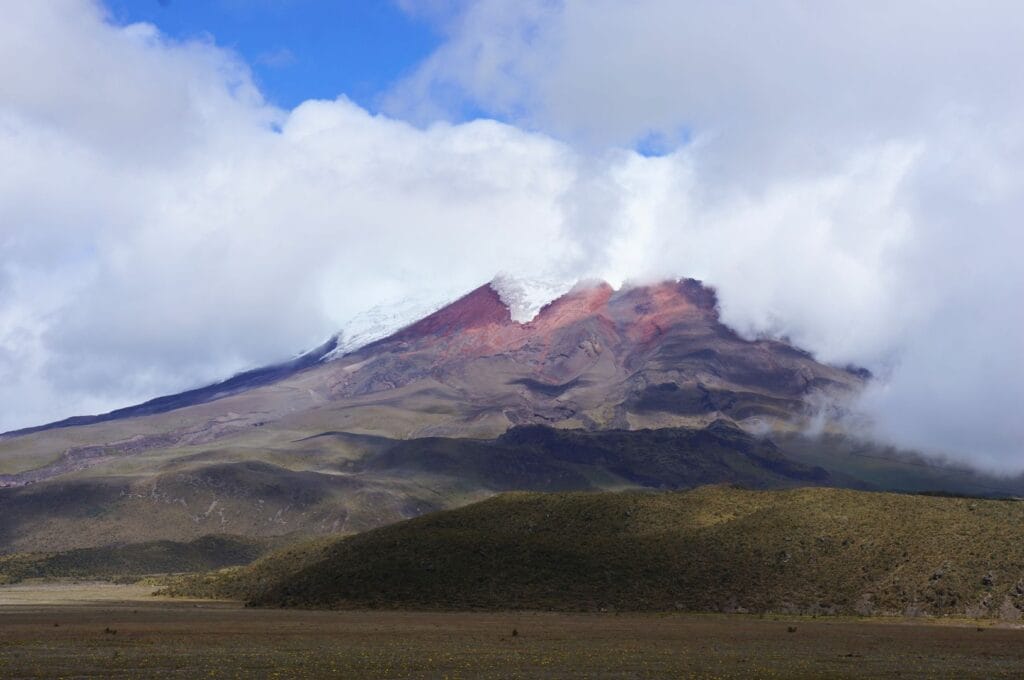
(53, 630)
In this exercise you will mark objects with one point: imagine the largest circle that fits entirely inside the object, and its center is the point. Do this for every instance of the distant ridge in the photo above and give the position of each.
(238, 383)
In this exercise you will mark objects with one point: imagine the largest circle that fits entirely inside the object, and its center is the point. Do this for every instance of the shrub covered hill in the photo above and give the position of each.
(133, 561)
(716, 548)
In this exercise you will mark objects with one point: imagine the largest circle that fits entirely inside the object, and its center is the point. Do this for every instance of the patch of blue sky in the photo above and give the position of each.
(300, 49)
(656, 143)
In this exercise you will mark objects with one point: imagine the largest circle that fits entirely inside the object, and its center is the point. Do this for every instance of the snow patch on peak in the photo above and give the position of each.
(525, 297)
(380, 321)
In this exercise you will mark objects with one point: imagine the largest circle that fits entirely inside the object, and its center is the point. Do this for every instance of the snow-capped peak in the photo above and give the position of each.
(381, 321)
(524, 297)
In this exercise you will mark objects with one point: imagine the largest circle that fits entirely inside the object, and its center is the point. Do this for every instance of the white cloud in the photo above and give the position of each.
(161, 226)
(851, 177)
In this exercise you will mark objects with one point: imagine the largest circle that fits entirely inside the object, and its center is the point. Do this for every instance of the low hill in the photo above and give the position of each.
(811, 550)
(134, 560)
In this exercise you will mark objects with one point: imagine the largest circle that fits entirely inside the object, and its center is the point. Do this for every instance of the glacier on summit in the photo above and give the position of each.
(381, 321)
(524, 298)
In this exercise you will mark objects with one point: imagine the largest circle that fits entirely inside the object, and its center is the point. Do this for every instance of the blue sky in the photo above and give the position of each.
(319, 49)
(300, 49)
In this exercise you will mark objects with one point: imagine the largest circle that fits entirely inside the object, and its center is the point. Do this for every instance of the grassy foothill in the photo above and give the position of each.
(814, 551)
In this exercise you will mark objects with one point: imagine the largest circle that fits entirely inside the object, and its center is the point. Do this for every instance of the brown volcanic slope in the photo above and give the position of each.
(414, 422)
(643, 357)
(595, 358)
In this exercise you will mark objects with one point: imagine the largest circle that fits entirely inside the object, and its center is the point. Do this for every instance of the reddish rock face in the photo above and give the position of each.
(480, 308)
(581, 302)
(481, 322)
(640, 356)
(645, 313)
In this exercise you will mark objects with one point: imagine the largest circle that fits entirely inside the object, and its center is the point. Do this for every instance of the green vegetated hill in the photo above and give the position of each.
(134, 560)
(810, 550)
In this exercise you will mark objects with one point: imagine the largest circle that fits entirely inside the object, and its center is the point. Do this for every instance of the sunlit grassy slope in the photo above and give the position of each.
(811, 550)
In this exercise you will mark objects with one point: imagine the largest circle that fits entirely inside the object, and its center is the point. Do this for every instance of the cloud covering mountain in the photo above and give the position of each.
(850, 179)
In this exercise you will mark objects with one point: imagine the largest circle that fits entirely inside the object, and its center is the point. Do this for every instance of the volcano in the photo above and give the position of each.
(638, 387)
(595, 358)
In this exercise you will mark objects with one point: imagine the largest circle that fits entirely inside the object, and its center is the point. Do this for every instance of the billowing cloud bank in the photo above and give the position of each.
(851, 180)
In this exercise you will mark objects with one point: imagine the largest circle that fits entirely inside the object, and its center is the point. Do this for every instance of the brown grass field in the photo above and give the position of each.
(109, 631)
